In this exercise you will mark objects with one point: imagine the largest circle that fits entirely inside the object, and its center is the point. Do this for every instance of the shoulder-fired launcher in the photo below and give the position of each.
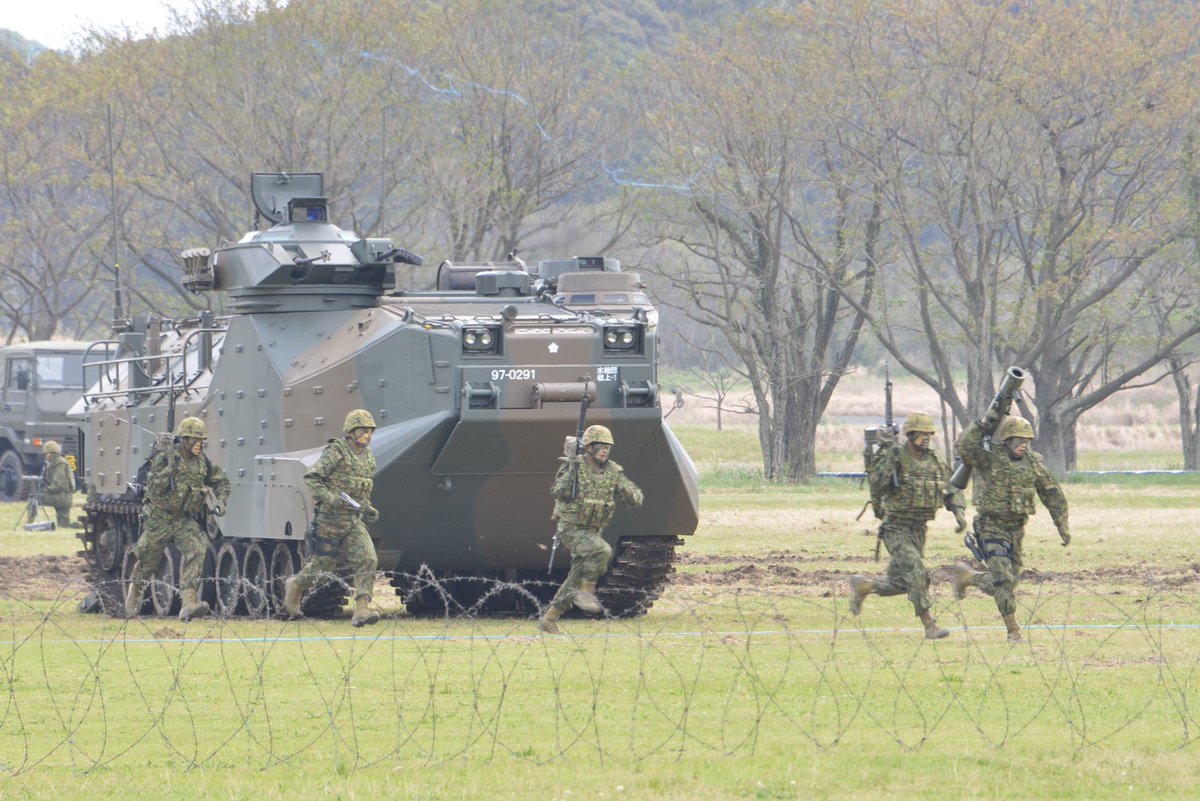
(1014, 377)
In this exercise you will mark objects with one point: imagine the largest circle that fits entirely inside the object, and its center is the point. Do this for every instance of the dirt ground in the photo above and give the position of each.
(40, 578)
(33, 578)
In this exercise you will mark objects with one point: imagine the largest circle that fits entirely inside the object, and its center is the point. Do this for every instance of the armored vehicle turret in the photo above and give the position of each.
(473, 384)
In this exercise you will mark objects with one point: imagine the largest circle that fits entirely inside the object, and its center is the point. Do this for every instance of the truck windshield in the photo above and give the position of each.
(60, 370)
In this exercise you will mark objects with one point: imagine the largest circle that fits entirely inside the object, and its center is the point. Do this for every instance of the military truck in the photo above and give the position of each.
(39, 382)
(474, 384)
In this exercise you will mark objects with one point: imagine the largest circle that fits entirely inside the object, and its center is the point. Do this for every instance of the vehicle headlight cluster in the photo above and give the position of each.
(621, 339)
(480, 339)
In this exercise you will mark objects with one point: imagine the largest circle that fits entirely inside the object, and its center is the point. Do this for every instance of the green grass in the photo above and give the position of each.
(746, 680)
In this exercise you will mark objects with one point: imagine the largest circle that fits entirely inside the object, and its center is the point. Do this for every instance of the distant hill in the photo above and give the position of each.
(26, 49)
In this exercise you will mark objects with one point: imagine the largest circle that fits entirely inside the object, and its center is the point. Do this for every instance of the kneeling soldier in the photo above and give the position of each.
(58, 484)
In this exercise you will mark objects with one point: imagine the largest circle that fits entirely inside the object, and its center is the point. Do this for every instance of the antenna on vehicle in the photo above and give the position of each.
(118, 310)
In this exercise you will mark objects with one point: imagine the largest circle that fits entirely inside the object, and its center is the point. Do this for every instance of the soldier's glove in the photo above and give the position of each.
(370, 514)
(1064, 534)
(885, 437)
(334, 504)
(990, 419)
(960, 520)
(164, 441)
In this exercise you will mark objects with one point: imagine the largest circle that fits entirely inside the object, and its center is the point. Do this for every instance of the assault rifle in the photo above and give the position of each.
(875, 439)
(583, 407)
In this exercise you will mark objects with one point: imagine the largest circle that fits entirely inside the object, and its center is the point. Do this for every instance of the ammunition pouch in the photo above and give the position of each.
(318, 545)
(998, 548)
(593, 513)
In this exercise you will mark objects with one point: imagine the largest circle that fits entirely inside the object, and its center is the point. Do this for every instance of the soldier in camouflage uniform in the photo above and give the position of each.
(1006, 481)
(586, 492)
(58, 484)
(176, 493)
(346, 467)
(911, 483)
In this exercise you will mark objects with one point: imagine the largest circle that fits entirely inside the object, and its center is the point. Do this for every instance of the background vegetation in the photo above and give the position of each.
(810, 187)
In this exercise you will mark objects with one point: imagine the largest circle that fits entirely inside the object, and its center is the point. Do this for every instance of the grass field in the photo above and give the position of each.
(748, 679)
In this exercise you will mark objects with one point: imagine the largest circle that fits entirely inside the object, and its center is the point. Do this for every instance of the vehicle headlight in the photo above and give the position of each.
(480, 340)
(621, 339)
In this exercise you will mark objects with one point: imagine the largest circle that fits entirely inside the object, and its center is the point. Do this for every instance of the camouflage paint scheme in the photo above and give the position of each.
(467, 441)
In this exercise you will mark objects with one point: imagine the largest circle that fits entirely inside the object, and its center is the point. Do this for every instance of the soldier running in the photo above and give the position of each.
(586, 492)
(1006, 481)
(346, 469)
(911, 483)
(176, 492)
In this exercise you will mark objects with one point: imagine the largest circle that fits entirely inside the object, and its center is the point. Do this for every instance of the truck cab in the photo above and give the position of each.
(39, 383)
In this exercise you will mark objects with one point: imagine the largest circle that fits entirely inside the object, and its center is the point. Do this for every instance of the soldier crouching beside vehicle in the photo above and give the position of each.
(341, 483)
(586, 492)
(1006, 480)
(910, 483)
(176, 493)
(58, 484)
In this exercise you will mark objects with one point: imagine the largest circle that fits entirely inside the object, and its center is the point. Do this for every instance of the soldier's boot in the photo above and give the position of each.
(291, 597)
(860, 587)
(133, 599)
(192, 607)
(963, 577)
(932, 630)
(547, 624)
(585, 598)
(1014, 629)
(363, 614)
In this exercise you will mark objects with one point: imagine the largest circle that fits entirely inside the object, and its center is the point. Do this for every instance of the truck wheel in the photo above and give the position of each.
(10, 476)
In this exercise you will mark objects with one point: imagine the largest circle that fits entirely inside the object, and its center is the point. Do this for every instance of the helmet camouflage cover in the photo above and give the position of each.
(597, 434)
(51, 447)
(359, 418)
(192, 427)
(1015, 427)
(919, 422)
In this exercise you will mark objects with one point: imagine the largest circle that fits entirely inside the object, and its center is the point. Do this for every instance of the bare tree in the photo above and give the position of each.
(51, 216)
(516, 126)
(754, 209)
(1032, 175)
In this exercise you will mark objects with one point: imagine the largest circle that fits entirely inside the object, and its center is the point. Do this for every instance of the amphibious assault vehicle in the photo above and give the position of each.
(474, 385)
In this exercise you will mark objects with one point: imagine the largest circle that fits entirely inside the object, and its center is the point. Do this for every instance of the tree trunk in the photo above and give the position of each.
(1056, 440)
(1189, 415)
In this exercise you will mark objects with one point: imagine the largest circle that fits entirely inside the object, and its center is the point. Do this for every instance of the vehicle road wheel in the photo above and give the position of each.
(164, 586)
(10, 476)
(228, 573)
(284, 565)
(256, 581)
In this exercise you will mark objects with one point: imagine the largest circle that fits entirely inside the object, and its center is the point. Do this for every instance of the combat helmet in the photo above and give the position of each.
(51, 447)
(1015, 427)
(919, 422)
(359, 418)
(597, 434)
(192, 427)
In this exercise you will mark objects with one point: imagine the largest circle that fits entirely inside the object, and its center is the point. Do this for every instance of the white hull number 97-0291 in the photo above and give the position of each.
(515, 374)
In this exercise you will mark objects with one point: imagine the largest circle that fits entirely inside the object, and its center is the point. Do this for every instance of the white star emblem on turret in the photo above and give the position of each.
(553, 347)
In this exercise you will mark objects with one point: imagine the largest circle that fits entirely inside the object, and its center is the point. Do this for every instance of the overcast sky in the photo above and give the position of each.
(55, 23)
